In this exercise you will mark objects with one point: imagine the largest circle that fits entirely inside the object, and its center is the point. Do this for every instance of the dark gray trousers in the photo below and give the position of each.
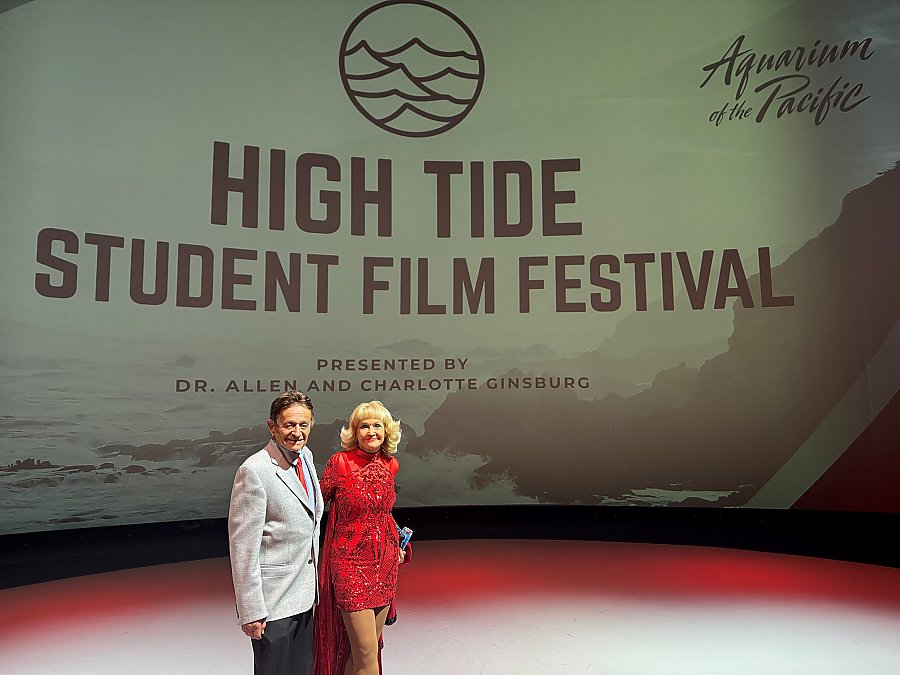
(286, 647)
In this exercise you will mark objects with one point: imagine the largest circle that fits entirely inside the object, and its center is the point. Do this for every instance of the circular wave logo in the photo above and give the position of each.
(411, 67)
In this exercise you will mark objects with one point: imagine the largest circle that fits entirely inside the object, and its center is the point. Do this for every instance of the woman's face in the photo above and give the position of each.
(370, 434)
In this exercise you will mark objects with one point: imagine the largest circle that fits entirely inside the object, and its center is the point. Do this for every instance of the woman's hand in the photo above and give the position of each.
(402, 555)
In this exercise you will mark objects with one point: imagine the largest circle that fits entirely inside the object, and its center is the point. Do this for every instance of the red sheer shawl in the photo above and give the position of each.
(332, 643)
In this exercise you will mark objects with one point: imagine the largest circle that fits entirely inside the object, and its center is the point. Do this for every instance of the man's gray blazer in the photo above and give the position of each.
(273, 537)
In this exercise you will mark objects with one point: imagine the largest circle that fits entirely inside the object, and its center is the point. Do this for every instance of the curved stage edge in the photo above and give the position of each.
(850, 536)
(497, 606)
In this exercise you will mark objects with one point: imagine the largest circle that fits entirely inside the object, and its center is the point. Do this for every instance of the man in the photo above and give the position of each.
(273, 534)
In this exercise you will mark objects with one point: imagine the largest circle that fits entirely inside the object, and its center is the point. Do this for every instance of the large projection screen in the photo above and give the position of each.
(605, 253)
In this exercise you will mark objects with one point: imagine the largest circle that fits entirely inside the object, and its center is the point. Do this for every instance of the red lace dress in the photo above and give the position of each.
(358, 566)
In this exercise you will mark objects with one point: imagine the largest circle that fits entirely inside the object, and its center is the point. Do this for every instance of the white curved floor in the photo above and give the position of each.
(471, 607)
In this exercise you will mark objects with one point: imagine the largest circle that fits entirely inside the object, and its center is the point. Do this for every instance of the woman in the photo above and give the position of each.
(361, 554)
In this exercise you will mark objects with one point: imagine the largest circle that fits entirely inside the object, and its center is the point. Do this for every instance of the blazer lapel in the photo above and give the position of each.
(289, 478)
(307, 458)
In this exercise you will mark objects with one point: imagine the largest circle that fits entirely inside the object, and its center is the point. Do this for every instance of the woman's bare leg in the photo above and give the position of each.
(348, 666)
(363, 629)
(380, 618)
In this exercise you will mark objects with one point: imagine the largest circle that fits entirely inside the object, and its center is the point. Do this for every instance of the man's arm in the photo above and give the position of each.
(246, 519)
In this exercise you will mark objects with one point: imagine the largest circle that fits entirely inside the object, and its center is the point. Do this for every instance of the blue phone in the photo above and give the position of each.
(405, 536)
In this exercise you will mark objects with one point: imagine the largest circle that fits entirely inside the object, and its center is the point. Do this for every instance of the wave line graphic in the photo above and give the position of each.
(449, 70)
(429, 84)
(409, 106)
(363, 44)
(411, 97)
(376, 74)
(413, 79)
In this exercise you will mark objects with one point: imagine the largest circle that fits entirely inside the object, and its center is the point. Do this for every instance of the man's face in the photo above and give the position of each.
(292, 427)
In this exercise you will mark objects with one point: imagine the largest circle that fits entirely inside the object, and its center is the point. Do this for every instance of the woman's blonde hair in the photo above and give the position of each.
(372, 410)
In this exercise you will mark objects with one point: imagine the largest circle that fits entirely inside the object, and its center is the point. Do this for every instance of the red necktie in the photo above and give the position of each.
(299, 467)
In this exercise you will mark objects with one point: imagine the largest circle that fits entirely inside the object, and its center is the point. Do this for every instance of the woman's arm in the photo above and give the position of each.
(329, 478)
